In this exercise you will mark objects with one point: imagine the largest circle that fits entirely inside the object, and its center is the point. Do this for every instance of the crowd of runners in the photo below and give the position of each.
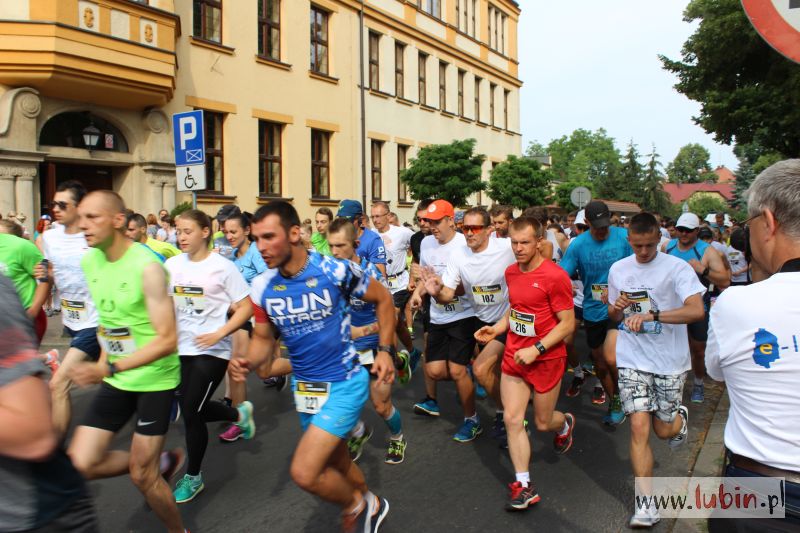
(331, 313)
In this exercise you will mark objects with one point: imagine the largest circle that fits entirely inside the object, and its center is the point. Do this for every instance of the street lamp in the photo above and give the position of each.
(91, 136)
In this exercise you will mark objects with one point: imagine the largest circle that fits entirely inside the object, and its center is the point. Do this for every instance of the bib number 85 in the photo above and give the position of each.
(636, 307)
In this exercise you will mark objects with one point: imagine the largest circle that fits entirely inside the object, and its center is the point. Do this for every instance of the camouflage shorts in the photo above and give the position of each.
(645, 392)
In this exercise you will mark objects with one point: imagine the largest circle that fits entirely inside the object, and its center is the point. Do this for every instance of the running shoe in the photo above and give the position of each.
(644, 518)
(468, 431)
(615, 415)
(588, 368)
(575, 387)
(232, 434)
(521, 497)
(396, 452)
(246, 423)
(480, 392)
(270, 382)
(411, 333)
(355, 445)
(377, 518)
(51, 360)
(562, 443)
(698, 393)
(499, 427)
(598, 395)
(416, 357)
(171, 462)
(403, 367)
(188, 488)
(278, 383)
(427, 406)
(683, 434)
(361, 522)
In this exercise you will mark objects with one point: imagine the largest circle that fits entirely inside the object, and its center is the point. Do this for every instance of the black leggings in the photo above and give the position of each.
(200, 376)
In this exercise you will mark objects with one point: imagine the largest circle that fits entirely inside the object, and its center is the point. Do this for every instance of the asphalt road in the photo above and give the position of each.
(441, 485)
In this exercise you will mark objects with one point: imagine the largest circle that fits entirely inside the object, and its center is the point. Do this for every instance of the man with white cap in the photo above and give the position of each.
(711, 269)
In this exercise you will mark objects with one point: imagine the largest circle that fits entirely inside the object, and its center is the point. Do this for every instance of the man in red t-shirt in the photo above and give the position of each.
(541, 316)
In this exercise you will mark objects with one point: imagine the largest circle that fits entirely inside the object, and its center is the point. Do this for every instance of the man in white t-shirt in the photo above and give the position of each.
(479, 268)
(450, 344)
(654, 295)
(502, 217)
(754, 344)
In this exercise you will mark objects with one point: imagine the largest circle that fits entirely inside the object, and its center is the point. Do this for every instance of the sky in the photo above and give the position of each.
(594, 64)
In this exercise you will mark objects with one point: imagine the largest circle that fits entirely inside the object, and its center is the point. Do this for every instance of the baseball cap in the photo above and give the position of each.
(705, 233)
(350, 209)
(227, 211)
(597, 215)
(688, 221)
(440, 209)
(580, 218)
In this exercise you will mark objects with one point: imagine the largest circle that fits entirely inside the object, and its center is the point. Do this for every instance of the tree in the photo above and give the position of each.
(520, 182)
(704, 205)
(535, 149)
(753, 159)
(689, 165)
(747, 91)
(653, 198)
(625, 185)
(449, 172)
(584, 156)
(180, 208)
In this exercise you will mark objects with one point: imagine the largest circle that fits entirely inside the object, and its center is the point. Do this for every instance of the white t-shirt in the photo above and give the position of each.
(483, 277)
(738, 262)
(754, 346)
(396, 241)
(202, 293)
(662, 284)
(65, 251)
(718, 246)
(436, 256)
(551, 236)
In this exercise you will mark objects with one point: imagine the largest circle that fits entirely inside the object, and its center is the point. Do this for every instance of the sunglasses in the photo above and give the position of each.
(468, 230)
(431, 221)
(61, 205)
(684, 230)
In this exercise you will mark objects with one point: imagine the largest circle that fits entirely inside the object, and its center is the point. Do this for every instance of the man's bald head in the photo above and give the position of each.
(102, 218)
(107, 200)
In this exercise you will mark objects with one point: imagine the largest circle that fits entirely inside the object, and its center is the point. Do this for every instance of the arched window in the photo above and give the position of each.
(78, 129)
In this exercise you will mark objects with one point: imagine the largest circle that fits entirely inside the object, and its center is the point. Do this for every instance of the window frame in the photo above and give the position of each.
(204, 5)
(422, 78)
(402, 164)
(319, 164)
(266, 25)
(376, 168)
(314, 62)
(443, 85)
(374, 60)
(462, 74)
(431, 7)
(492, 91)
(212, 153)
(478, 81)
(506, 94)
(400, 69)
(266, 159)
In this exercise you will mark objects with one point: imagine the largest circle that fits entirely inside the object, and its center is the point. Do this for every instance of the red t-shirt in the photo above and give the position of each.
(535, 298)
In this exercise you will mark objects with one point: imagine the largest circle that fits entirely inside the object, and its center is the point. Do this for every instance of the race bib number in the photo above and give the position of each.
(116, 341)
(522, 323)
(391, 282)
(597, 291)
(74, 311)
(640, 303)
(310, 397)
(453, 307)
(188, 299)
(366, 357)
(486, 294)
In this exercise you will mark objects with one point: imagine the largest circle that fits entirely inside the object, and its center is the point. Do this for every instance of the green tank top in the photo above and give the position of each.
(124, 323)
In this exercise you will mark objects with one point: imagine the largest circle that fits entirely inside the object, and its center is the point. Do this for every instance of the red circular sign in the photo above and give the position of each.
(778, 22)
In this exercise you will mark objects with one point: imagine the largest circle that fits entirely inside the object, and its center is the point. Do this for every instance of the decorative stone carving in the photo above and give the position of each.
(18, 172)
(30, 105)
(155, 120)
(30, 108)
(88, 17)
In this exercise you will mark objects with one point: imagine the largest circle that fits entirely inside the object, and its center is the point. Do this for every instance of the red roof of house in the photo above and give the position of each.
(680, 192)
(724, 174)
(621, 207)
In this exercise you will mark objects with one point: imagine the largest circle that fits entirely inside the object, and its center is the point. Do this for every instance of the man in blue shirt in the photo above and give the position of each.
(591, 255)
(370, 244)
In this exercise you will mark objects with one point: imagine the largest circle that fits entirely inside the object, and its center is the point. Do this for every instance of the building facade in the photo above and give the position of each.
(88, 88)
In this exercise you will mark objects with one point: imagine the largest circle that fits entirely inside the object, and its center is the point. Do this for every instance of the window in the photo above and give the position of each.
(207, 20)
(377, 151)
(319, 40)
(422, 78)
(474, 15)
(320, 164)
(492, 91)
(461, 75)
(478, 98)
(214, 160)
(269, 158)
(442, 85)
(269, 29)
(465, 15)
(505, 108)
(402, 164)
(431, 7)
(497, 30)
(399, 70)
(374, 61)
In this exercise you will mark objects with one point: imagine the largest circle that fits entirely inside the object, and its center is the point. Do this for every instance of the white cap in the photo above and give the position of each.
(688, 220)
(580, 218)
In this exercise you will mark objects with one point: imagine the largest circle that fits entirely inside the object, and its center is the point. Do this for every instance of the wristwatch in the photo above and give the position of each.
(112, 369)
(655, 314)
(388, 349)
(540, 347)
(706, 271)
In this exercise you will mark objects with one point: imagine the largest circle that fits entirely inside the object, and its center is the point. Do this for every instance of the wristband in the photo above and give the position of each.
(388, 349)
(540, 347)
(112, 369)
(656, 315)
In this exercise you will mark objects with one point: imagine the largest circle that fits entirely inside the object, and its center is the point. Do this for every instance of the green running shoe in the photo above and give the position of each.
(246, 423)
(396, 452)
(188, 488)
(355, 445)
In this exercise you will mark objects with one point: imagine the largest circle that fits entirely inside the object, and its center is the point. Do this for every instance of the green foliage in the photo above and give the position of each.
(747, 91)
(652, 197)
(689, 165)
(450, 172)
(584, 156)
(535, 148)
(180, 208)
(753, 159)
(626, 184)
(520, 182)
(563, 190)
(703, 205)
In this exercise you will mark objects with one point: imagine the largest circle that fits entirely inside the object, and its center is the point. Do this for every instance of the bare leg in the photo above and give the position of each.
(487, 370)
(516, 395)
(91, 457)
(465, 386)
(145, 474)
(60, 386)
(698, 351)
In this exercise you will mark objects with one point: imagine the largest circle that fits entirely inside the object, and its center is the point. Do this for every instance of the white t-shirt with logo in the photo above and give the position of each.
(663, 284)
(65, 251)
(202, 293)
(396, 241)
(738, 262)
(436, 256)
(483, 277)
(754, 346)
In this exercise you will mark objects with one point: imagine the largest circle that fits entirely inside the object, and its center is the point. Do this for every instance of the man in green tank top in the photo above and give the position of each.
(138, 367)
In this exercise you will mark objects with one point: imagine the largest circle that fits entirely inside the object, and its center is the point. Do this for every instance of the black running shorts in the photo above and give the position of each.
(112, 408)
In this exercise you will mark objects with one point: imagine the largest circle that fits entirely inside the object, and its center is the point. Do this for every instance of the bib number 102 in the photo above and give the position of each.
(487, 298)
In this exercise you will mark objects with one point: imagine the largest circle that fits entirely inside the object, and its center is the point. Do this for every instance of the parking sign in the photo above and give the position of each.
(189, 138)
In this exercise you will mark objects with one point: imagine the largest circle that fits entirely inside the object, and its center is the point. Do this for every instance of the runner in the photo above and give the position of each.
(370, 245)
(319, 240)
(342, 240)
(204, 285)
(710, 269)
(65, 246)
(305, 298)
(540, 317)
(479, 267)
(450, 344)
(654, 295)
(591, 255)
(136, 230)
(502, 215)
(138, 367)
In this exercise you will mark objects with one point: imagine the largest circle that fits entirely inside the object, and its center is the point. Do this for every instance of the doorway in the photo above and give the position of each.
(93, 178)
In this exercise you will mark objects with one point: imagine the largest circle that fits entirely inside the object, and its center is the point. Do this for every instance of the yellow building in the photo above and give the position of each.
(280, 85)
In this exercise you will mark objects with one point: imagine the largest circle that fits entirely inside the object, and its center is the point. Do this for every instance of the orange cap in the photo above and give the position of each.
(440, 209)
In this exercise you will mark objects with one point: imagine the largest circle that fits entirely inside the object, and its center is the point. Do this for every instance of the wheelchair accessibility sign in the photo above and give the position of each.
(190, 152)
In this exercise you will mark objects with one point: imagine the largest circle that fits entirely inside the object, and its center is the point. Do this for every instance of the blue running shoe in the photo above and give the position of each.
(480, 392)
(698, 393)
(468, 431)
(415, 357)
(427, 407)
(615, 415)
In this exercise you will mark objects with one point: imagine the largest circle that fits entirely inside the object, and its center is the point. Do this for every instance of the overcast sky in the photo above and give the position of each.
(594, 64)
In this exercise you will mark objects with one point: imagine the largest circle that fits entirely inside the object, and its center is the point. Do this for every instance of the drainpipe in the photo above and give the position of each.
(363, 109)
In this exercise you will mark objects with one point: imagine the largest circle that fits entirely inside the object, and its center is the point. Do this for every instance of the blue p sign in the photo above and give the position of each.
(189, 138)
